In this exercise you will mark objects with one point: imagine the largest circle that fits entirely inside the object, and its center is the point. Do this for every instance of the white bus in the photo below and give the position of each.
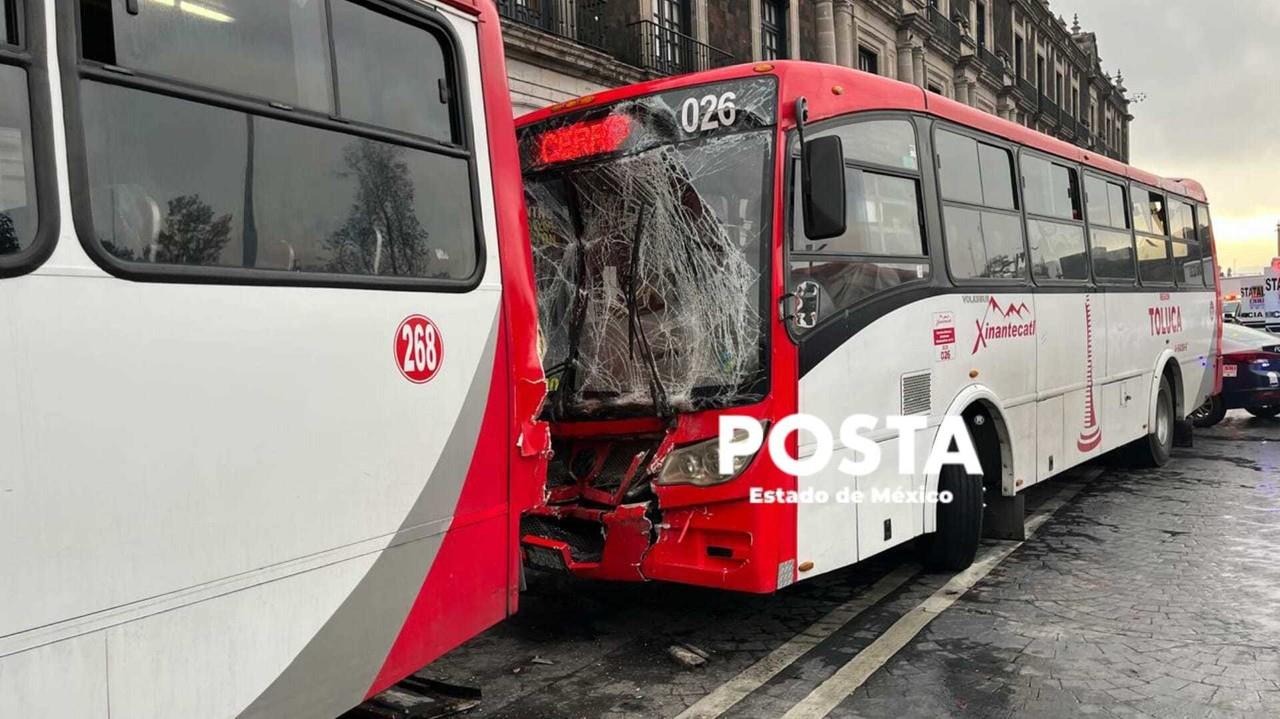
(940, 262)
(268, 365)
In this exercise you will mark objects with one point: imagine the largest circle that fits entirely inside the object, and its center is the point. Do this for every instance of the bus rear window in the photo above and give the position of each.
(18, 216)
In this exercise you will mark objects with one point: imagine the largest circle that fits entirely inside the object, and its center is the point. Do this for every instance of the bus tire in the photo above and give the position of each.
(1154, 449)
(953, 546)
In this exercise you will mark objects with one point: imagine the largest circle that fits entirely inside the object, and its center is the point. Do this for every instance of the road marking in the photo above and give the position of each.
(754, 676)
(827, 695)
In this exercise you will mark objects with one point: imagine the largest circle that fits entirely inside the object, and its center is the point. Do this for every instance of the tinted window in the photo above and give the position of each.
(984, 244)
(8, 22)
(1057, 251)
(1204, 230)
(1148, 212)
(18, 217)
(883, 218)
(1153, 260)
(272, 50)
(1106, 203)
(997, 177)
(844, 283)
(391, 74)
(958, 171)
(1113, 255)
(267, 194)
(891, 143)
(1187, 264)
(1182, 224)
(1051, 189)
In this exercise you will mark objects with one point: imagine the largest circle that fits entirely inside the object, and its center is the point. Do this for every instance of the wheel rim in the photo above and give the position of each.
(1164, 419)
(1203, 411)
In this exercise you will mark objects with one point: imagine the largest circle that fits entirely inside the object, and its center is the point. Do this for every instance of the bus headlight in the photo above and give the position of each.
(699, 464)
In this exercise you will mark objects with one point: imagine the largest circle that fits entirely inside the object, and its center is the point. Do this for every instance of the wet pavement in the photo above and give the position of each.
(1141, 593)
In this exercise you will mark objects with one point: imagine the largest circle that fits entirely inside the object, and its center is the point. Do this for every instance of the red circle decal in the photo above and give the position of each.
(419, 349)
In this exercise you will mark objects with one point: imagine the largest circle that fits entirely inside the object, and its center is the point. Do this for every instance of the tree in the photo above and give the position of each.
(382, 235)
(191, 234)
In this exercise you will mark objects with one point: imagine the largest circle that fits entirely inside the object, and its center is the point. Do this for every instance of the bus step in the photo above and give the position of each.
(418, 698)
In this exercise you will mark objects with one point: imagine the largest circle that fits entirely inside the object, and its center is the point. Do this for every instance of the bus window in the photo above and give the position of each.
(174, 181)
(974, 172)
(1058, 247)
(1187, 261)
(980, 218)
(1155, 257)
(18, 216)
(884, 245)
(237, 46)
(1110, 239)
(1052, 190)
(414, 100)
(8, 22)
(1204, 231)
(1154, 260)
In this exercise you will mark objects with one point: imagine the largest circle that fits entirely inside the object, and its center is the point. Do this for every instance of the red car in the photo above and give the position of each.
(1250, 376)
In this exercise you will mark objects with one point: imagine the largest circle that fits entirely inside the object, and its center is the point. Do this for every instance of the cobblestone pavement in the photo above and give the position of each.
(1149, 593)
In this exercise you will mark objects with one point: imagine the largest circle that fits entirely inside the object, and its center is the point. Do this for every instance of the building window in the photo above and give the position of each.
(1075, 102)
(671, 23)
(868, 60)
(1020, 57)
(936, 89)
(1040, 73)
(980, 23)
(773, 36)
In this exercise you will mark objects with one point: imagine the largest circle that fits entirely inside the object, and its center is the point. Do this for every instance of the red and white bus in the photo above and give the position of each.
(939, 262)
(268, 354)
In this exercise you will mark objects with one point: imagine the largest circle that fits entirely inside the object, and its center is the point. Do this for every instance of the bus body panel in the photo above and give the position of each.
(226, 499)
(1048, 422)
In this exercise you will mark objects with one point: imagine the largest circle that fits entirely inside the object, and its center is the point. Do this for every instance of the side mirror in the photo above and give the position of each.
(822, 167)
(808, 304)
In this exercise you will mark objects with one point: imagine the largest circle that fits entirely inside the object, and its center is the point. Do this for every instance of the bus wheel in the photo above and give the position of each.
(1210, 413)
(1153, 450)
(953, 546)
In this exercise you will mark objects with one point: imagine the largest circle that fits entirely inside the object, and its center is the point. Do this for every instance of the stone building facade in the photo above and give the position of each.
(1012, 58)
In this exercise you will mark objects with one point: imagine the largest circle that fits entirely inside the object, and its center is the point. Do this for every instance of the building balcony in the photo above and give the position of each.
(946, 33)
(992, 63)
(665, 51)
(581, 21)
(1048, 110)
(1028, 92)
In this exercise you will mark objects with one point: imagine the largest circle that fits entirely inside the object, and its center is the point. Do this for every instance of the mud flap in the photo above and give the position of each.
(1183, 434)
(1005, 517)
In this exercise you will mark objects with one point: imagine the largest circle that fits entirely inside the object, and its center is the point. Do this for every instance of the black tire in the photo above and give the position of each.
(1264, 411)
(1154, 449)
(953, 546)
(1210, 413)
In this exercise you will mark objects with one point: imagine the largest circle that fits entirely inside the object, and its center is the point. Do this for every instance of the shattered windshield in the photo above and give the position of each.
(650, 263)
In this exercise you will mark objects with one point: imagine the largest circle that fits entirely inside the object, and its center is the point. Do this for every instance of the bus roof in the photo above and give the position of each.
(832, 90)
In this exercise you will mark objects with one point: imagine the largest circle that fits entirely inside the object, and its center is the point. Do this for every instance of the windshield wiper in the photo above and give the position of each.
(636, 334)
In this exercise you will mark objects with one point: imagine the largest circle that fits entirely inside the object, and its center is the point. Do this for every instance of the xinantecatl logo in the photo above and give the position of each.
(1001, 322)
(1091, 435)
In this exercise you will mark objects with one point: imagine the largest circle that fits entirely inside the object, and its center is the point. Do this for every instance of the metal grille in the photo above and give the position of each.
(916, 392)
(615, 466)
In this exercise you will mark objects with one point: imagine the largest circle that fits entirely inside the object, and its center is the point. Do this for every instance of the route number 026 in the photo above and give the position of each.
(709, 112)
(419, 349)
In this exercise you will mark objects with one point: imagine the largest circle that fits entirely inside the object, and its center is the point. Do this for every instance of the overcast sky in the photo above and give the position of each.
(1210, 71)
